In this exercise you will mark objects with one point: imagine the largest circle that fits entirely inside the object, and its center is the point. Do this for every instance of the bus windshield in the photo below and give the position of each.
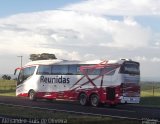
(25, 73)
(130, 68)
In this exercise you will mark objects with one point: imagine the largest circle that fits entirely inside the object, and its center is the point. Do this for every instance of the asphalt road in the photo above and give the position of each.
(120, 111)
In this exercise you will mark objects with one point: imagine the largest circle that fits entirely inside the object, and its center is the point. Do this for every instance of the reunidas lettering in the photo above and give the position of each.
(56, 79)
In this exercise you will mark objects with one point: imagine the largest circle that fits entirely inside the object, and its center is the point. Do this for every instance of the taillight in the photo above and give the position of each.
(117, 95)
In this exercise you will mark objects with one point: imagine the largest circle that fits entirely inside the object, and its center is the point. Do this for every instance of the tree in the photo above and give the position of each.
(6, 77)
(43, 56)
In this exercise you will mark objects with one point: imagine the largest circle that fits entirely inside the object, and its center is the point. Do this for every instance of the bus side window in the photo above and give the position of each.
(44, 70)
(94, 71)
(72, 69)
(78, 70)
(60, 69)
(108, 71)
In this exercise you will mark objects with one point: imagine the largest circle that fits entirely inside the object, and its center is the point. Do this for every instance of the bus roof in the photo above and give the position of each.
(64, 62)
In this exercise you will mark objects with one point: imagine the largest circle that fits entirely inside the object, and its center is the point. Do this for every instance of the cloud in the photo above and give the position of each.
(84, 32)
(140, 58)
(155, 59)
(64, 29)
(62, 54)
(128, 33)
(77, 35)
(116, 7)
(145, 59)
(156, 39)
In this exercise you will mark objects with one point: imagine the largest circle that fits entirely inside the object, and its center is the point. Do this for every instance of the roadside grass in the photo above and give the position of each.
(150, 101)
(7, 87)
(150, 94)
(25, 112)
(150, 89)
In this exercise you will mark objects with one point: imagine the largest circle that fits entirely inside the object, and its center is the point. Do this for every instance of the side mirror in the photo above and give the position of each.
(15, 71)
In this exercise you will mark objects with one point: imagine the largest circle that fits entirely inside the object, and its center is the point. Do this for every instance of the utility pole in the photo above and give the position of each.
(21, 57)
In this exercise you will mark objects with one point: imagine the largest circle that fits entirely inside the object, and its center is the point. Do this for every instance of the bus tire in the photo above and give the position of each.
(83, 99)
(32, 95)
(94, 100)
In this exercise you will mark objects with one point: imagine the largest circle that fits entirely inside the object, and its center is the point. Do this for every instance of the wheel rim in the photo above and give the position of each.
(83, 99)
(32, 95)
(94, 100)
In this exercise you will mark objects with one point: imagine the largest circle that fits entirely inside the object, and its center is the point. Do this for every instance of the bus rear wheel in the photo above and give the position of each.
(83, 99)
(94, 100)
(32, 95)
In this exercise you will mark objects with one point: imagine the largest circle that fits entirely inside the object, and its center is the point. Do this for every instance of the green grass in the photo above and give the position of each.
(71, 118)
(150, 101)
(7, 87)
(150, 94)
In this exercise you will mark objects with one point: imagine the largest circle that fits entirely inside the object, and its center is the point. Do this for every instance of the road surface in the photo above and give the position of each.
(120, 111)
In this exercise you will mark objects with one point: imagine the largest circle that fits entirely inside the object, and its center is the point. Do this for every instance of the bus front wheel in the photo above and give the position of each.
(32, 95)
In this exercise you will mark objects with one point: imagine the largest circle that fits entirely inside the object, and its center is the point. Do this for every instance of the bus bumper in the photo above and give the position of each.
(129, 99)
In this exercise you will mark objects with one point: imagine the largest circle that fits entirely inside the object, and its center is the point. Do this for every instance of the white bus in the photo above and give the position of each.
(90, 82)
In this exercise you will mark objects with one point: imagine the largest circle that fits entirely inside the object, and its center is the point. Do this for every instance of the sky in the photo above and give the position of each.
(81, 30)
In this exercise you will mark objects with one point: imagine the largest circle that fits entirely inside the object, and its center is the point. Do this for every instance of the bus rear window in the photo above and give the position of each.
(130, 68)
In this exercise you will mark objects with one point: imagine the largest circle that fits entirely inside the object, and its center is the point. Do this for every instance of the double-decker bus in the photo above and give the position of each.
(90, 82)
